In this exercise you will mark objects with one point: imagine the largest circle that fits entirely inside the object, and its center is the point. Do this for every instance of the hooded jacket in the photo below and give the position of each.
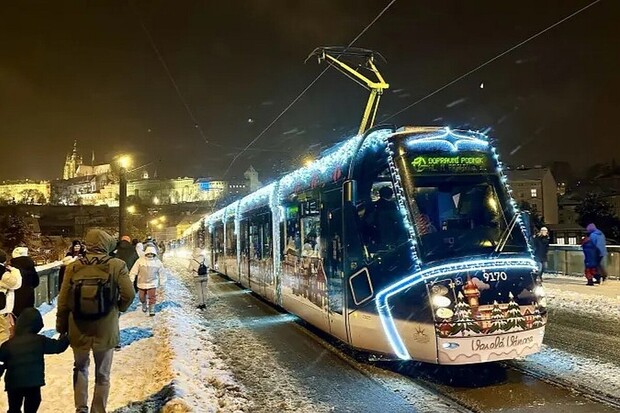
(24, 296)
(598, 239)
(148, 271)
(127, 253)
(23, 354)
(101, 334)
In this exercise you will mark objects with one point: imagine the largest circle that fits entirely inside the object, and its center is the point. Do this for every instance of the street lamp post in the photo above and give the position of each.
(124, 162)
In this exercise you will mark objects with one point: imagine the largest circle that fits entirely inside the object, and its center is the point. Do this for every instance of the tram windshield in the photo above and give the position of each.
(456, 214)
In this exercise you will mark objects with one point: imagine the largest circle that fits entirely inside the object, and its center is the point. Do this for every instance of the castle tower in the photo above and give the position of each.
(251, 177)
(72, 162)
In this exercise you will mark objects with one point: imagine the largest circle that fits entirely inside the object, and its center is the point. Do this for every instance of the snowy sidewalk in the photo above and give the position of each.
(164, 360)
(572, 294)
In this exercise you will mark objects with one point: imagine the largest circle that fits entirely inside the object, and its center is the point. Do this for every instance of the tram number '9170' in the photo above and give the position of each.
(495, 276)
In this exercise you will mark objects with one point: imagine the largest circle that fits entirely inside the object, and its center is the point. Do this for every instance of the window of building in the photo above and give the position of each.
(572, 240)
(534, 193)
(560, 241)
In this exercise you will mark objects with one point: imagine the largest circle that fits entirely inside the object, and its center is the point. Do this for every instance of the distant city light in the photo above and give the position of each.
(131, 209)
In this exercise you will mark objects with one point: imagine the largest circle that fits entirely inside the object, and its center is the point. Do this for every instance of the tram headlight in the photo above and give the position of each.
(539, 291)
(440, 301)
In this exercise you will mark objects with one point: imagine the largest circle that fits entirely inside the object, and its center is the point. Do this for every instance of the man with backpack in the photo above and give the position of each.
(95, 289)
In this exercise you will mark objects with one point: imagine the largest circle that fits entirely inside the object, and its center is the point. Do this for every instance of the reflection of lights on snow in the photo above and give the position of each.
(440, 301)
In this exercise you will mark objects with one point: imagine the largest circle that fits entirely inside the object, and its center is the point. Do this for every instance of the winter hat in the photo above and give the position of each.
(2, 257)
(150, 250)
(545, 229)
(20, 252)
(591, 228)
(126, 238)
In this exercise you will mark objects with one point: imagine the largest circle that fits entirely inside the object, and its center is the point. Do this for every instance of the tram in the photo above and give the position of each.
(402, 242)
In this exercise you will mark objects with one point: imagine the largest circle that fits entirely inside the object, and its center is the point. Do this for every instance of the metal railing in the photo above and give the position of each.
(48, 283)
(568, 260)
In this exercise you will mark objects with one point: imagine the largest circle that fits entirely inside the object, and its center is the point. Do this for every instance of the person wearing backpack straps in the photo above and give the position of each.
(95, 289)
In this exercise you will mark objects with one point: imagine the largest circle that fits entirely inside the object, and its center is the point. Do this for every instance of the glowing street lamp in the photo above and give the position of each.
(131, 209)
(124, 161)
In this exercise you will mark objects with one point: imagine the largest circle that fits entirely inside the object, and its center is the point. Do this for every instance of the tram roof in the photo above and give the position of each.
(334, 163)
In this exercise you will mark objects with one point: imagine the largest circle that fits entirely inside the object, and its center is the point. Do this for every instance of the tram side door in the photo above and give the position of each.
(334, 271)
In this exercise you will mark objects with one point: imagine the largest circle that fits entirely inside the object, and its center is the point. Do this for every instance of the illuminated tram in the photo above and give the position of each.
(400, 242)
(439, 269)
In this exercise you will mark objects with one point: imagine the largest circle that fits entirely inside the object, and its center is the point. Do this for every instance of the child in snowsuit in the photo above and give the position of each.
(149, 273)
(591, 261)
(22, 358)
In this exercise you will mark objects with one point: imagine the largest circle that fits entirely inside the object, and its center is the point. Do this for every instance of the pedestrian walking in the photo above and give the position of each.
(24, 295)
(22, 359)
(96, 288)
(76, 251)
(541, 249)
(10, 280)
(198, 266)
(591, 260)
(127, 252)
(149, 273)
(598, 238)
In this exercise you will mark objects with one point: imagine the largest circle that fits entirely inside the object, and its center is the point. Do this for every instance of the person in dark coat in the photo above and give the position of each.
(24, 295)
(22, 358)
(77, 249)
(126, 251)
(541, 249)
(76, 252)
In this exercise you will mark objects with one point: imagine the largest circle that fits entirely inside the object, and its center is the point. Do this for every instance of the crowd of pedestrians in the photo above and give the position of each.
(98, 280)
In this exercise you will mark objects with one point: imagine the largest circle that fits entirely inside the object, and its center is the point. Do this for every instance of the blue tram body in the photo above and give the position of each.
(400, 242)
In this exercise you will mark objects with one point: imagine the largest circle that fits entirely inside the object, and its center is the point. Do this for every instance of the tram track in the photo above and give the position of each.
(502, 386)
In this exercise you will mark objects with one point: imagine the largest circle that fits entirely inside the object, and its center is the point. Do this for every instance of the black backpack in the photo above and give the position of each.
(202, 268)
(92, 288)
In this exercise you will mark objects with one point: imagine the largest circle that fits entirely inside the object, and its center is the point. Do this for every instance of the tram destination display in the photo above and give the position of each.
(449, 164)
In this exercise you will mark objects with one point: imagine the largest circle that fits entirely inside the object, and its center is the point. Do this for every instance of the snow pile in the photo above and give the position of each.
(202, 380)
(579, 372)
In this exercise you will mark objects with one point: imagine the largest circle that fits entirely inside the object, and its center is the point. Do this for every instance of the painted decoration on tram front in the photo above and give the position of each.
(459, 313)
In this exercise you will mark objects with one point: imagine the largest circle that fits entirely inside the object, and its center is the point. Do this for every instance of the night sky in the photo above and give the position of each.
(85, 70)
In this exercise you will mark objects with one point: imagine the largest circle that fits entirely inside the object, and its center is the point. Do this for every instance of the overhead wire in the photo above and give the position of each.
(505, 52)
(303, 92)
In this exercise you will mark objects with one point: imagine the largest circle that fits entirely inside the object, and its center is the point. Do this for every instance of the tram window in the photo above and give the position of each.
(381, 220)
(310, 228)
(231, 239)
(266, 237)
(254, 240)
(293, 232)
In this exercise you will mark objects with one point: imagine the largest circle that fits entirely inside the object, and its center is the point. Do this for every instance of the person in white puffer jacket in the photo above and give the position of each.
(150, 274)
(10, 280)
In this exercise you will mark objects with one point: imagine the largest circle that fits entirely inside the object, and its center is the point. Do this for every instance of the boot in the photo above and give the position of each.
(152, 310)
(597, 279)
(144, 307)
(590, 282)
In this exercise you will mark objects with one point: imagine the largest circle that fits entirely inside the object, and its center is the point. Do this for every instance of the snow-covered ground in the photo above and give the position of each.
(164, 360)
(571, 294)
(585, 373)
